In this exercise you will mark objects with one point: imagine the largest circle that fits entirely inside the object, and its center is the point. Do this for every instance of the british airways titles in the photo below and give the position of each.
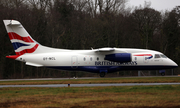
(109, 63)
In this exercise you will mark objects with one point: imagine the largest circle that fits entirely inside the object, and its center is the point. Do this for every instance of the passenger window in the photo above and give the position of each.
(91, 58)
(157, 56)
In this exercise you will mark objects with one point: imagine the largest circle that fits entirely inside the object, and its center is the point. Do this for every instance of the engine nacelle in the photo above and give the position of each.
(119, 57)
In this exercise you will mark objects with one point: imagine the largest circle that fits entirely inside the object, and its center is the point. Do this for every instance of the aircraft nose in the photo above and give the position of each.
(174, 64)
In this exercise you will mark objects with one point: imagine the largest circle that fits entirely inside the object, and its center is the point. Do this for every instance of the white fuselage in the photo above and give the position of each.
(90, 60)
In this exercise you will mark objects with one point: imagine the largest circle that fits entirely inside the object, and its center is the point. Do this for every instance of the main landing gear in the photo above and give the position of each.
(102, 74)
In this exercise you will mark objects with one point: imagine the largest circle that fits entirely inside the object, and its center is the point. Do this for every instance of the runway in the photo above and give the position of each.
(90, 85)
(38, 79)
(79, 78)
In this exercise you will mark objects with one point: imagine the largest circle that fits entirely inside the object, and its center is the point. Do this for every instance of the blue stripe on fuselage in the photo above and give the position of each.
(96, 69)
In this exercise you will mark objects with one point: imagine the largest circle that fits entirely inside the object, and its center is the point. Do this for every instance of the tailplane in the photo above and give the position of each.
(20, 38)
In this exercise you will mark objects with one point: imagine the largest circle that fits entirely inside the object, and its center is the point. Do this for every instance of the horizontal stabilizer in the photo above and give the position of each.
(13, 22)
(12, 56)
(34, 64)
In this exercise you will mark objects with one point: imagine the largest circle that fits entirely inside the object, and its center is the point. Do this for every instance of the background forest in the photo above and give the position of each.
(82, 24)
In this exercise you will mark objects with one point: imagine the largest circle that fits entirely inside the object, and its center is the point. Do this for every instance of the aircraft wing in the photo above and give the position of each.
(109, 50)
(115, 55)
(104, 49)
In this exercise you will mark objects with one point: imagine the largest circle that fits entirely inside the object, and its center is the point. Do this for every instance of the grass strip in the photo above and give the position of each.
(69, 97)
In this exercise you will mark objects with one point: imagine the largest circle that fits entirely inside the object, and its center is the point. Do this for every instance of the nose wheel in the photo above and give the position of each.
(163, 74)
(102, 74)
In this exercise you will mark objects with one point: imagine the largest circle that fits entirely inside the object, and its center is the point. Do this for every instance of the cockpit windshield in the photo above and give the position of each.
(163, 56)
(160, 56)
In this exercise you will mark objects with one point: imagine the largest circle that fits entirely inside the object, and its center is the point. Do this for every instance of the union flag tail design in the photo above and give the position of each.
(20, 38)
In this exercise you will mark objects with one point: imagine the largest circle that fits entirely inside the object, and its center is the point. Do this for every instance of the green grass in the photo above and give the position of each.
(88, 97)
(94, 81)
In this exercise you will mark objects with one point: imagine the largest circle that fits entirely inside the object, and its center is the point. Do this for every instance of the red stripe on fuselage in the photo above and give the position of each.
(143, 55)
(13, 35)
(27, 50)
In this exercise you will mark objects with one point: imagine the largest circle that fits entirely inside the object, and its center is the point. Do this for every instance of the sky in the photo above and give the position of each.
(160, 5)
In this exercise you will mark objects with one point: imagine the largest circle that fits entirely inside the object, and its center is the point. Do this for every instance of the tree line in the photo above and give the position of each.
(82, 24)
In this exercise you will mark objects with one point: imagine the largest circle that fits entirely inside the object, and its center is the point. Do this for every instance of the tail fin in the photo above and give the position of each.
(20, 38)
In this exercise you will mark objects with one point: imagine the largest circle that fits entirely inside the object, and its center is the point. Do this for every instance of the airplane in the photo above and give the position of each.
(102, 60)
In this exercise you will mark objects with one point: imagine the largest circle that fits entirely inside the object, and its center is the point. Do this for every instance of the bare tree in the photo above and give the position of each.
(171, 30)
(147, 21)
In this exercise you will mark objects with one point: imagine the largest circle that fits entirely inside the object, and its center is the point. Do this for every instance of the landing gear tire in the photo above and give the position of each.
(102, 74)
(162, 74)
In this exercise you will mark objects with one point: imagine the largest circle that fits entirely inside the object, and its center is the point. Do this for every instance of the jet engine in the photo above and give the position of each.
(119, 57)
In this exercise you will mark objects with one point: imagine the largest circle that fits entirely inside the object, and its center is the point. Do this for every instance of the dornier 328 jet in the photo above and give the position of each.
(102, 60)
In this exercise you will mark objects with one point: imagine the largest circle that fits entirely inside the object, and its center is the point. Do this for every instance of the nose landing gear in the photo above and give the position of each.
(162, 72)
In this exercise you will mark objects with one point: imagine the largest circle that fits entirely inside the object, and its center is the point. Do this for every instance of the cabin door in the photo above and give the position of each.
(74, 62)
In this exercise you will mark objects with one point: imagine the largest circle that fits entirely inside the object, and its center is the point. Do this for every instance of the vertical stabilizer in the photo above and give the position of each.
(20, 38)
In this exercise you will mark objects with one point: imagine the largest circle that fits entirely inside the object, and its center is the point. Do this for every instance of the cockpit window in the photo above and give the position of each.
(157, 56)
(163, 56)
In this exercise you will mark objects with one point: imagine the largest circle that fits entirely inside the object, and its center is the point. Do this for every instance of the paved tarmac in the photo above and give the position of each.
(80, 78)
(84, 85)
(90, 85)
(47, 79)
